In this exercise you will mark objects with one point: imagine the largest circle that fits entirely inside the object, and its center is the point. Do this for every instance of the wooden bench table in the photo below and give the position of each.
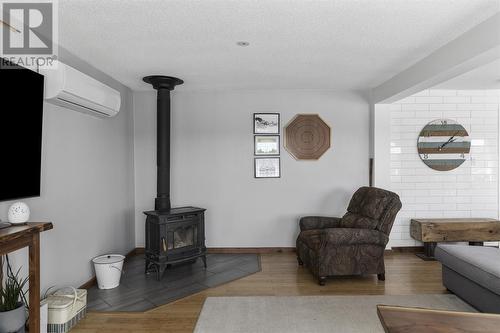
(472, 230)
(398, 319)
(16, 237)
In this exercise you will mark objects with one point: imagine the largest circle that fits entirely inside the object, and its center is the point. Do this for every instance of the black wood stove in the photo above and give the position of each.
(173, 235)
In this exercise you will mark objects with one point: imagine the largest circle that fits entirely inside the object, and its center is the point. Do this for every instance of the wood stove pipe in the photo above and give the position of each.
(163, 85)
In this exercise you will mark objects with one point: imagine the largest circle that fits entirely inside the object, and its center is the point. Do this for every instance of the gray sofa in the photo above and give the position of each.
(472, 273)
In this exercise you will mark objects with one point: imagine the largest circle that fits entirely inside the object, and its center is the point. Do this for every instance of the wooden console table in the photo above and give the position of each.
(433, 231)
(398, 319)
(16, 237)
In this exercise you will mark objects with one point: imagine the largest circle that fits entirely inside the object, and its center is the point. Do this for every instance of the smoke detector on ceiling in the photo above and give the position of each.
(242, 43)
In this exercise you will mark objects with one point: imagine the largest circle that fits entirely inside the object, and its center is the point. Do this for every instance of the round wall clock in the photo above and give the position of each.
(443, 144)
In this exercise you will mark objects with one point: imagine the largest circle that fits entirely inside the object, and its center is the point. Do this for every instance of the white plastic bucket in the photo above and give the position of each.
(108, 270)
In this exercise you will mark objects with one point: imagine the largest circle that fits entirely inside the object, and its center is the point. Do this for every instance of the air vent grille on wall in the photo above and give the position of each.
(68, 87)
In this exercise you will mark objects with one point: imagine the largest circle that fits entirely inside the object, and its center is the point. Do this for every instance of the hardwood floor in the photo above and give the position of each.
(280, 276)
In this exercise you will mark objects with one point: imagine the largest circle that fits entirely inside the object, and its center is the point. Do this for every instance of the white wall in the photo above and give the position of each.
(471, 190)
(87, 188)
(212, 162)
(381, 141)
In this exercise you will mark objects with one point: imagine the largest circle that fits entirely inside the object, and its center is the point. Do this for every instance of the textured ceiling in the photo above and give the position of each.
(343, 44)
(484, 77)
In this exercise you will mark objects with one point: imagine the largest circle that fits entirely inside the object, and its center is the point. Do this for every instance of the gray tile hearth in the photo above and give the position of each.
(141, 292)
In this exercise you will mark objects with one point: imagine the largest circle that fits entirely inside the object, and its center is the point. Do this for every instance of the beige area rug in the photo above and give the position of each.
(343, 314)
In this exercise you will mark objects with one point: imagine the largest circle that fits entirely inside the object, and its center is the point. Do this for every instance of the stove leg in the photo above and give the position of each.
(160, 270)
(204, 258)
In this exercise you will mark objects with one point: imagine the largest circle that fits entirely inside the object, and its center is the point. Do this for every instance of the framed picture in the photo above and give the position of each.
(266, 123)
(267, 144)
(267, 167)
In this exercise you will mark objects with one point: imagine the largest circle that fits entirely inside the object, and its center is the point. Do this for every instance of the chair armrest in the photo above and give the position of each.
(318, 222)
(353, 236)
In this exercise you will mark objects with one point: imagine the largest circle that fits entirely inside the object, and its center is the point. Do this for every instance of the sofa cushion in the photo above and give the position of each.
(372, 208)
(354, 236)
(335, 237)
(480, 264)
(370, 202)
(353, 220)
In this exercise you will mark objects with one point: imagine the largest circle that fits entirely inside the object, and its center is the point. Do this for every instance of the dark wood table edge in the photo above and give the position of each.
(427, 310)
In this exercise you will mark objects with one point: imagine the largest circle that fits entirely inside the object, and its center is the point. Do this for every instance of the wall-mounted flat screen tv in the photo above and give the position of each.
(21, 115)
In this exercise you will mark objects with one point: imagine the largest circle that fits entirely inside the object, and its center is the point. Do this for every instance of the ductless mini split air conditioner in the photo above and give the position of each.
(68, 87)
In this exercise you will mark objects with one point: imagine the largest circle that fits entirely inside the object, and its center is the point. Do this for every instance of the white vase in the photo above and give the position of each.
(14, 320)
(19, 212)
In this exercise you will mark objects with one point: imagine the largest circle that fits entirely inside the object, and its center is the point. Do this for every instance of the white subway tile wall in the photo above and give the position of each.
(471, 190)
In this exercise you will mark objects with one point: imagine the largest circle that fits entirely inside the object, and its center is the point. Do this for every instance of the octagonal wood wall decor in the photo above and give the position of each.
(307, 137)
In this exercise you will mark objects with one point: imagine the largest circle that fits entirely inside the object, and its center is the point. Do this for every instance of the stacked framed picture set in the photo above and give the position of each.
(266, 130)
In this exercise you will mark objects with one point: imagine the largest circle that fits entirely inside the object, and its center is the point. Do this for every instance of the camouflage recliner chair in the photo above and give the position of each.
(353, 244)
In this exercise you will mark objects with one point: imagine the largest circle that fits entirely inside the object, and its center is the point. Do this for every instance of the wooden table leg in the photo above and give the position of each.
(34, 280)
(428, 254)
